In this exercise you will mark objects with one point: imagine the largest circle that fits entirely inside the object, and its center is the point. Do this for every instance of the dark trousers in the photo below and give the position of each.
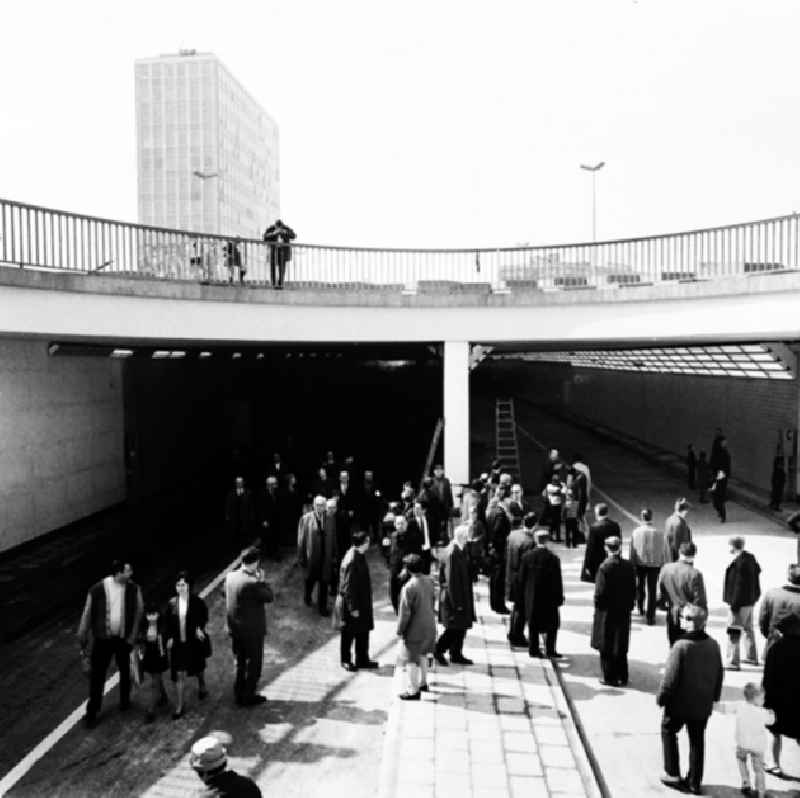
(394, 590)
(553, 515)
(346, 644)
(674, 631)
(549, 641)
(671, 724)
(497, 586)
(102, 653)
(249, 653)
(451, 640)
(516, 623)
(646, 577)
(615, 668)
(322, 591)
(719, 497)
(571, 532)
(277, 271)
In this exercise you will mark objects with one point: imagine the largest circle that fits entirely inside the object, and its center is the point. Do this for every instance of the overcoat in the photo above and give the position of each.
(355, 588)
(190, 655)
(416, 622)
(781, 686)
(596, 547)
(614, 596)
(676, 531)
(456, 603)
(316, 546)
(519, 541)
(542, 589)
(742, 584)
(403, 544)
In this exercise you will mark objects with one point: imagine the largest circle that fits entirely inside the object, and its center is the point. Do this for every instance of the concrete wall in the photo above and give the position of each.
(61, 439)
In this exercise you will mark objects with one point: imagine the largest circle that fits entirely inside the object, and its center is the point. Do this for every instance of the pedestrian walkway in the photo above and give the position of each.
(495, 729)
(622, 725)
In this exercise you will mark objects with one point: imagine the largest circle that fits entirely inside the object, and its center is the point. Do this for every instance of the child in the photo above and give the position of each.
(751, 738)
(570, 519)
(153, 657)
(416, 627)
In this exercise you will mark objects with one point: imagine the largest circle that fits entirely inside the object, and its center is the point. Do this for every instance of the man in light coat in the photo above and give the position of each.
(742, 590)
(679, 584)
(647, 556)
(316, 551)
(676, 530)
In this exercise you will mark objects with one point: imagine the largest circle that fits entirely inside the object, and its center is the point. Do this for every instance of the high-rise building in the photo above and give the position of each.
(207, 152)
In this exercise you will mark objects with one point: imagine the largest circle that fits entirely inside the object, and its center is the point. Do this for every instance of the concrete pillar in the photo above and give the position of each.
(456, 411)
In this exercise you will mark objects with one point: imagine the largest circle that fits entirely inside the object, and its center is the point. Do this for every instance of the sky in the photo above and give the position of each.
(437, 123)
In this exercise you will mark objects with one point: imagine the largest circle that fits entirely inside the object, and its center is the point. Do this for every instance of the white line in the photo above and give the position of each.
(35, 754)
(608, 498)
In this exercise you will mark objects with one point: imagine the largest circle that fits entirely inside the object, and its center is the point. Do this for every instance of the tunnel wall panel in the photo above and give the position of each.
(61, 439)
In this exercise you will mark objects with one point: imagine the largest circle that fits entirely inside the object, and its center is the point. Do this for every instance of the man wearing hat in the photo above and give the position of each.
(614, 597)
(519, 541)
(542, 593)
(679, 584)
(444, 493)
(209, 759)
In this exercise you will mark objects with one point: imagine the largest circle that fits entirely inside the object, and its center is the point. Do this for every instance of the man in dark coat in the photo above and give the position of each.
(742, 590)
(676, 530)
(355, 589)
(720, 464)
(456, 602)
(268, 506)
(316, 553)
(278, 236)
(444, 494)
(406, 539)
(347, 500)
(246, 593)
(520, 540)
(679, 584)
(240, 513)
(420, 529)
(499, 527)
(111, 616)
(782, 687)
(691, 685)
(542, 592)
(291, 503)
(614, 597)
(595, 553)
(780, 603)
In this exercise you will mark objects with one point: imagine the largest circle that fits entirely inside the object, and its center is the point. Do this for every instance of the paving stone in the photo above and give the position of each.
(556, 756)
(545, 716)
(523, 764)
(515, 723)
(452, 761)
(484, 730)
(489, 792)
(450, 720)
(528, 787)
(551, 735)
(487, 755)
(414, 749)
(452, 785)
(564, 779)
(409, 777)
(538, 694)
(510, 705)
(452, 740)
(487, 775)
(519, 742)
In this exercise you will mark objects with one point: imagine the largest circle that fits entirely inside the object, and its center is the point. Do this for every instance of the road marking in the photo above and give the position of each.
(605, 496)
(48, 743)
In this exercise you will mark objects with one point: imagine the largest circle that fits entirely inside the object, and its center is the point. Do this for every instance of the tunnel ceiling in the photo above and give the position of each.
(768, 361)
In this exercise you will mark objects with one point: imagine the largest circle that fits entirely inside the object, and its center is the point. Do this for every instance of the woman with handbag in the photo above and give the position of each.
(187, 640)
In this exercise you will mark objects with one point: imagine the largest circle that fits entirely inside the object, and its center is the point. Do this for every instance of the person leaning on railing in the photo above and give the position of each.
(278, 236)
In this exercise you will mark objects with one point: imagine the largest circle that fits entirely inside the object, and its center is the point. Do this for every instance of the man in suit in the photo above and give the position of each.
(406, 539)
(420, 529)
(647, 556)
(357, 615)
(316, 552)
(602, 528)
(520, 539)
(246, 593)
(347, 499)
(679, 584)
(614, 596)
(112, 614)
(278, 469)
(269, 507)
(742, 590)
(691, 685)
(542, 593)
(240, 513)
(499, 528)
(444, 493)
(676, 530)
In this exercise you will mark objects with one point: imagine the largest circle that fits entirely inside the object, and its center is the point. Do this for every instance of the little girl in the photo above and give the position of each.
(751, 737)
(153, 656)
(570, 519)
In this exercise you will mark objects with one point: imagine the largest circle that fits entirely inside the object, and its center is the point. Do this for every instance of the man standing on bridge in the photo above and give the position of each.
(279, 236)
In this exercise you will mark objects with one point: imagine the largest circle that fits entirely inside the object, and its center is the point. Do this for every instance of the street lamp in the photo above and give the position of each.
(594, 170)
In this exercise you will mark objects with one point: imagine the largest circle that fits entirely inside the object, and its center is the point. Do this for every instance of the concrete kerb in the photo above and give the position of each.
(387, 776)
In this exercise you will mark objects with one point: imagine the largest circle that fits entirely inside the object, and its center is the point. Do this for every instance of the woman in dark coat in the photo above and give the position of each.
(187, 640)
(541, 591)
(456, 602)
(614, 597)
(355, 593)
(782, 688)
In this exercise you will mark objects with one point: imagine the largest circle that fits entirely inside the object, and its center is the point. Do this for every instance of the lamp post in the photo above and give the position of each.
(594, 170)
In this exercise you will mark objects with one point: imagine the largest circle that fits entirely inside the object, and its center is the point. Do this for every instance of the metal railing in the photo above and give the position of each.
(43, 238)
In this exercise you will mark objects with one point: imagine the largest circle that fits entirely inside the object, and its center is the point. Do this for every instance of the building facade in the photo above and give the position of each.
(207, 152)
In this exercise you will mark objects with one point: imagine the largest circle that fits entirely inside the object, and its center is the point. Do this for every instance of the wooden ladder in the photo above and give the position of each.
(506, 450)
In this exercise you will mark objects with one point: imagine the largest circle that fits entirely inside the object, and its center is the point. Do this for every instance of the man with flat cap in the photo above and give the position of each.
(614, 597)
(209, 759)
(679, 584)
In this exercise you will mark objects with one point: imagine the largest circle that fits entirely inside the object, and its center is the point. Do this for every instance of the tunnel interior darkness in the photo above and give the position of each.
(193, 423)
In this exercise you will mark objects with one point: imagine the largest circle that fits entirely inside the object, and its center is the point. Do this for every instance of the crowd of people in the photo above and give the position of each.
(435, 551)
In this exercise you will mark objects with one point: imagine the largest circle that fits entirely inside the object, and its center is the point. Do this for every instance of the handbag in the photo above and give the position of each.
(135, 667)
(336, 615)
